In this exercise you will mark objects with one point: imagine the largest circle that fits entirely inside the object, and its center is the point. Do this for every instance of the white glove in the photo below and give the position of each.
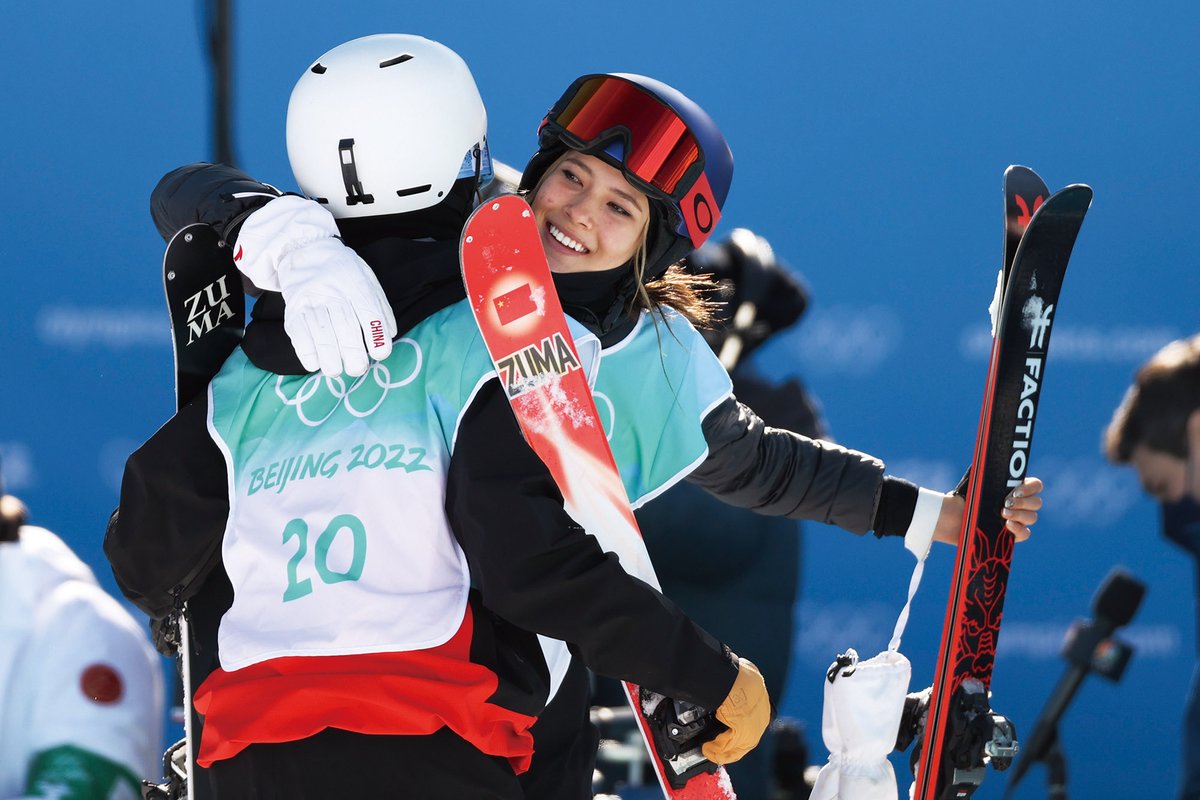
(336, 313)
(863, 705)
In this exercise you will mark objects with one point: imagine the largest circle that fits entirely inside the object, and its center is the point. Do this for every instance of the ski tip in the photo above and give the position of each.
(1082, 190)
(1022, 172)
(506, 205)
(498, 203)
(511, 203)
(1077, 197)
(1071, 199)
(1021, 180)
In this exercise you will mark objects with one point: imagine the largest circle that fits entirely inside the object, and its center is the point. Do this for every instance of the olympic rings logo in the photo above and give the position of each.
(343, 395)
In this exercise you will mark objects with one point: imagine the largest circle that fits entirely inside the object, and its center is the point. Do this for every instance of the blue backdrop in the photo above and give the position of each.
(870, 139)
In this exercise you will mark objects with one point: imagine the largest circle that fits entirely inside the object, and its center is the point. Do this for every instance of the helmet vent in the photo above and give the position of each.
(319, 68)
(413, 190)
(391, 62)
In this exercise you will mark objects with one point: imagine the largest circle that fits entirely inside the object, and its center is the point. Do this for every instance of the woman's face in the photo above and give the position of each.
(591, 218)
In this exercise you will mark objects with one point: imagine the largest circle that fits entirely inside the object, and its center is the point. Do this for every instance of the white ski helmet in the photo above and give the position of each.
(385, 124)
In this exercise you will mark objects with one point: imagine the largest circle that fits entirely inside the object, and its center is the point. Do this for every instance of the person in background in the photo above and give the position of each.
(1156, 430)
(81, 690)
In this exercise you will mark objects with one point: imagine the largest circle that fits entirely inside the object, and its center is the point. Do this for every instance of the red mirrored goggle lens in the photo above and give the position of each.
(659, 148)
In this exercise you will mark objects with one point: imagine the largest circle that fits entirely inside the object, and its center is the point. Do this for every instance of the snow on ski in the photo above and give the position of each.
(959, 728)
(521, 319)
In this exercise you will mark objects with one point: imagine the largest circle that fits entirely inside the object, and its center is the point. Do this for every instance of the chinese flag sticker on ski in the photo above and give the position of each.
(512, 306)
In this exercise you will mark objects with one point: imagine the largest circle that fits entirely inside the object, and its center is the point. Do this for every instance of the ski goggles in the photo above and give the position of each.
(660, 151)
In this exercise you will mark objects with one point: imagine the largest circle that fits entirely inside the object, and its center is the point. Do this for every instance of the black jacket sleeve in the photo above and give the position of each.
(780, 473)
(215, 194)
(165, 537)
(536, 568)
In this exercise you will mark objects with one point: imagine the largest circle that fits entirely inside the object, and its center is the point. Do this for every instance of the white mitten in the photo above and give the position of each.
(863, 704)
(336, 313)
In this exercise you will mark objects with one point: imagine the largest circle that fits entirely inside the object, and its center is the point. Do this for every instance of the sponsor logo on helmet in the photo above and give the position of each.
(700, 211)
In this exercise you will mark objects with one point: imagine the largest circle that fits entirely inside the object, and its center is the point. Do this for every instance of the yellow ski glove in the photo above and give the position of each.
(746, 711)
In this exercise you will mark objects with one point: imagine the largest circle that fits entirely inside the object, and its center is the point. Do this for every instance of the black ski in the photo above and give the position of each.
(1024, 193)
(207, 308)
(207, 304)
(961, 732)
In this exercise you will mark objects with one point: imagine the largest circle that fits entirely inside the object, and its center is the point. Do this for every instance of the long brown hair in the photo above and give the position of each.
(693, 296)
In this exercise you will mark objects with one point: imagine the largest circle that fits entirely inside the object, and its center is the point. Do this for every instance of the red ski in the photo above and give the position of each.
(517, 309)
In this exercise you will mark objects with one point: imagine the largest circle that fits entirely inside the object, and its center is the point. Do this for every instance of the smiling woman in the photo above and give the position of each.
(630, 175)
(591, 218)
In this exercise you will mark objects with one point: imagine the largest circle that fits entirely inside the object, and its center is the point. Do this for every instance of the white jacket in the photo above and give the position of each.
(75, 668)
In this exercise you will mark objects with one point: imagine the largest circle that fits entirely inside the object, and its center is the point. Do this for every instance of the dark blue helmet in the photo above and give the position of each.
(662, 142)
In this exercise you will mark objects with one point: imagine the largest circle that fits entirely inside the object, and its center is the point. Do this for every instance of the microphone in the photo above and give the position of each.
(1088, 647)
